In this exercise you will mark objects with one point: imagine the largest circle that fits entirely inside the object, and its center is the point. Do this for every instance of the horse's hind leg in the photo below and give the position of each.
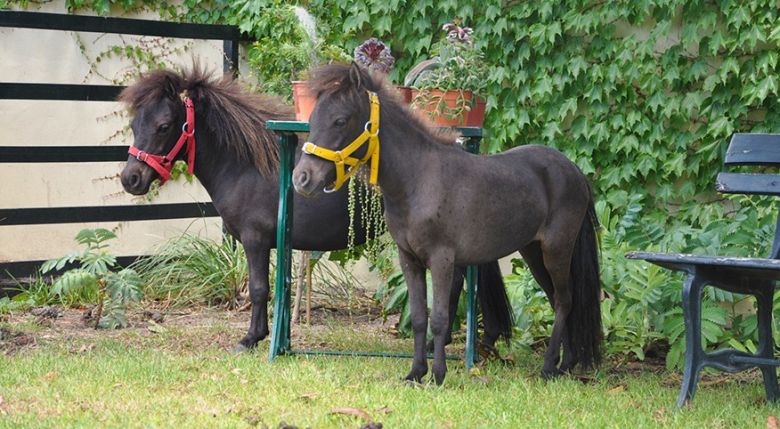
(257, 256)
(414, 274)
(532, 255)
(557, 262)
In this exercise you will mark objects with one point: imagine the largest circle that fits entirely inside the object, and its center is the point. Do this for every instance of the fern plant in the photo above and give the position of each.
(96, 280)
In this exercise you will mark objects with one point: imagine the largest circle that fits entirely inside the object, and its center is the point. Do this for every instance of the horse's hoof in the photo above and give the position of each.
(438, 378)
(411, 380)
(240, 348)
(415, 376)
(245, 345)
(548, 375)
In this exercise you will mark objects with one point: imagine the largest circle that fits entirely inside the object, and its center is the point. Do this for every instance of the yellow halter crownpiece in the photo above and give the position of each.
(343, 157)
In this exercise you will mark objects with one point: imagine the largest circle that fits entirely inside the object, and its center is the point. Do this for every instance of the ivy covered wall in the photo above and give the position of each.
(643, 95)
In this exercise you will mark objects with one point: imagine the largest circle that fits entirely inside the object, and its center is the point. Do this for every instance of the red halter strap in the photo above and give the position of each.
(164, 164)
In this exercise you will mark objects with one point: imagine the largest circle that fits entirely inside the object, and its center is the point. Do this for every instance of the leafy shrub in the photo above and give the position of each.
(94, 281)
(191, 270)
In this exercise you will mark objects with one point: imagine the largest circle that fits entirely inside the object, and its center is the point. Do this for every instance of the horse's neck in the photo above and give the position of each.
(407, 161)
(218, 169)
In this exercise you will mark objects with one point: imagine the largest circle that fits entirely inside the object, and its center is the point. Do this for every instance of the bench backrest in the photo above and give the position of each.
(756, 150)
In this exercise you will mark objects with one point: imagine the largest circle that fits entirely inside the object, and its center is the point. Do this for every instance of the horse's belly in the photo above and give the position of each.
(491, 244)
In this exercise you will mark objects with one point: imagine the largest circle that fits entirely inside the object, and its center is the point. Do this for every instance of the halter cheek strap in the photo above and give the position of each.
(163, 164)
(347, 165)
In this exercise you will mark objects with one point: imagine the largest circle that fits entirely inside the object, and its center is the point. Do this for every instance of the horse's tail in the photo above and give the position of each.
(496, 309)
(583, 325)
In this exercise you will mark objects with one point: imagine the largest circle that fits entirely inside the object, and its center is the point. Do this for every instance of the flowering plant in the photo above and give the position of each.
(460, 68)
(374, 55)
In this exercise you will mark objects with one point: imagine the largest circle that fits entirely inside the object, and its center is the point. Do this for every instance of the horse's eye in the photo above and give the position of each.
(163, 128)
(340, 122)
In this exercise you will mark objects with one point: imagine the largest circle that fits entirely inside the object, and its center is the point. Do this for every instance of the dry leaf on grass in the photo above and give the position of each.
(86, 347)
(252, 420)
(659, 415)
(51, 375)
(384, 410)
(772, 423)
(155, 327)
(308, 396)
(617, 389)
(357, 412)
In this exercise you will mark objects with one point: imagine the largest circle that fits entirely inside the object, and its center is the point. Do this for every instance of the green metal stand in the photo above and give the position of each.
(280, 337)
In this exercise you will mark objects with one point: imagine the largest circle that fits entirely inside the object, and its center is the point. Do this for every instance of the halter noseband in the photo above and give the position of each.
(164, 164)
(343, 157)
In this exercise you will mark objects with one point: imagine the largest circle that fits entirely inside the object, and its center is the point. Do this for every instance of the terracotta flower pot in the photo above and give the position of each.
(450, 99)
(304, 101)
(476, 116)
(406, 93)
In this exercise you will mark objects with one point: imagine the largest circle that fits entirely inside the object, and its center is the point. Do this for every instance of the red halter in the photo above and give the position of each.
(164, 164)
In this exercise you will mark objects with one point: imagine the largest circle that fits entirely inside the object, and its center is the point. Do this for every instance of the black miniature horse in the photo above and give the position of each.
(236, 160)
(446, 207)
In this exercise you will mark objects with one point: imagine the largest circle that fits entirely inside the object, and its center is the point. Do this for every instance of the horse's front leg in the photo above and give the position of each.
(257, 260)
(455, 290)
(414, 274)
(441, 272)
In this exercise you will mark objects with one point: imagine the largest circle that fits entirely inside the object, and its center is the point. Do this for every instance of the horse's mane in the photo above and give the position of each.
(235, 118)
(351, 82)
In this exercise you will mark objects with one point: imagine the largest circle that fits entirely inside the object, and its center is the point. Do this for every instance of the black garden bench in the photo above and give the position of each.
(755, 276)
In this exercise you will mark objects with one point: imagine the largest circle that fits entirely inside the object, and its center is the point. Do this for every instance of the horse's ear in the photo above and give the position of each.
(171, 88)
(356, 75)
(361, 78)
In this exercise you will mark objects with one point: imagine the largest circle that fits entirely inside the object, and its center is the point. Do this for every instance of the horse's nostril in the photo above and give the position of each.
(303, 178)
(135, 179)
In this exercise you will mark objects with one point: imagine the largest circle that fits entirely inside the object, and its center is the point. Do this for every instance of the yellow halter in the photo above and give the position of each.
(343, 157)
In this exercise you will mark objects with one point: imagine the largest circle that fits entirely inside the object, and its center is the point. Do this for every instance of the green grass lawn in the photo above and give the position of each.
(184, 376)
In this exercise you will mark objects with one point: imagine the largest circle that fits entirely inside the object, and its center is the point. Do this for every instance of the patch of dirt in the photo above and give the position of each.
(191, 329)
(11, 340)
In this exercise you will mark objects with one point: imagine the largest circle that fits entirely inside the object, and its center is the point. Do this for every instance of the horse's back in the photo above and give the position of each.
(555, 179)
(549, 165)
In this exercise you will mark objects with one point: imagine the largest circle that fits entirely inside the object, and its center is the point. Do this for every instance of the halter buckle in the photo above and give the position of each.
(367, 130)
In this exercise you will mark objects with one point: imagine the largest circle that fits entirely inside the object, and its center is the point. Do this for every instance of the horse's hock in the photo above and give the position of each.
(754, 276)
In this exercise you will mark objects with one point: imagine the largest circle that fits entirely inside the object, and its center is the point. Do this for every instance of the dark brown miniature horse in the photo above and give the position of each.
(236, 160)
(446, 207)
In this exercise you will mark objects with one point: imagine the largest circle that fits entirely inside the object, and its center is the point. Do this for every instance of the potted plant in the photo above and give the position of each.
(449, 89)
(375, 55)
(286, 46)
(304, 101)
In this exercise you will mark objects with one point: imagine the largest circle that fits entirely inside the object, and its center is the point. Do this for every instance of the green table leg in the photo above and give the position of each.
(472, 274)
(280, 338)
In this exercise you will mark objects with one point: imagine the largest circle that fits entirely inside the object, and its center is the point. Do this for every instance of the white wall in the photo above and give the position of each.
(44, 56)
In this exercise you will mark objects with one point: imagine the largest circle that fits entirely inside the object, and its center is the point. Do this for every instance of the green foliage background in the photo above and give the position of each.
(643, 95)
